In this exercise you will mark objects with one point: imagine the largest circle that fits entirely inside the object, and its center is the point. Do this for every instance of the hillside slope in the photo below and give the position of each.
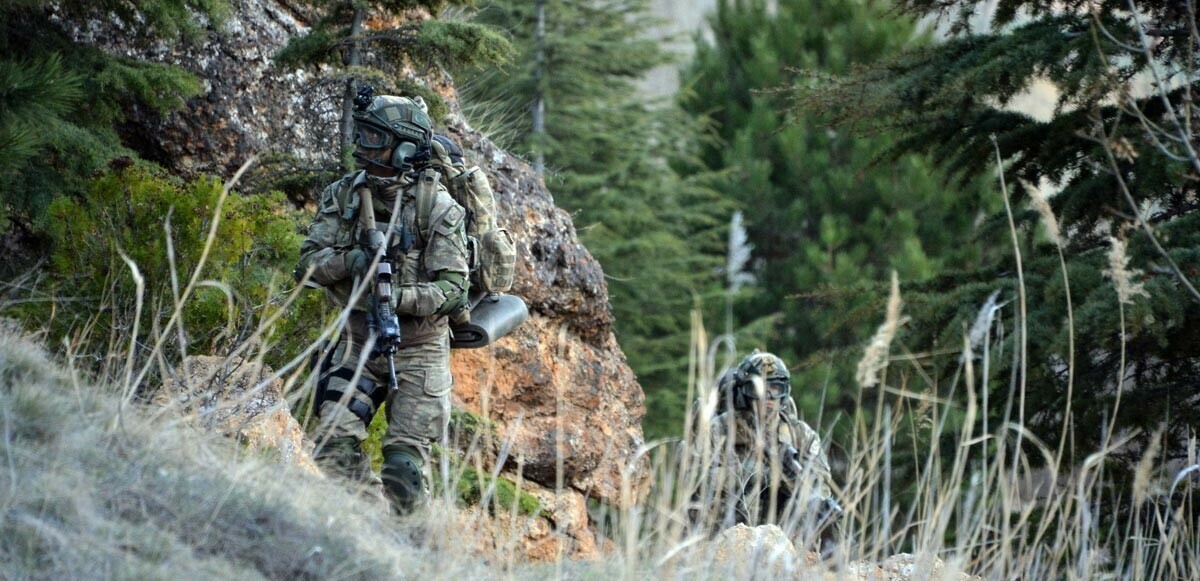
(92, 488)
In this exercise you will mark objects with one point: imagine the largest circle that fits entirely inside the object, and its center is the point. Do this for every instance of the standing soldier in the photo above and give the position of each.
(767, 466)
(425, 244)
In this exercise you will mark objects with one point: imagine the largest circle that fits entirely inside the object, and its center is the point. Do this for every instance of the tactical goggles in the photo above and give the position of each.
(369, 137)
(772, 389)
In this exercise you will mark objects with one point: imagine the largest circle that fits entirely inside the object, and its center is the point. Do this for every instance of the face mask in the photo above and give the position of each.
(378, 184)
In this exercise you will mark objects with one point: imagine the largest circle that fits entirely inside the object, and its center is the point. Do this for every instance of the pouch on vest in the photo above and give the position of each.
(496, 254)
(492, 256)
(497, 261)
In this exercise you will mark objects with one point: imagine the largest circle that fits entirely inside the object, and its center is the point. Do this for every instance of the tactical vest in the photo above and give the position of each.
(423, 214)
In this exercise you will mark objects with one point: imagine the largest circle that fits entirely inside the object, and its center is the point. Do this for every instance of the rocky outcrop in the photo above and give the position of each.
(906, 567)
(743, 552)
(558, 529)
(559, 387)
(765, 551)
(225, 396)
(248, 106)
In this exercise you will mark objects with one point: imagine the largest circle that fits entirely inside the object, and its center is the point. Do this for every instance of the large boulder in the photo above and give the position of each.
(745, 552)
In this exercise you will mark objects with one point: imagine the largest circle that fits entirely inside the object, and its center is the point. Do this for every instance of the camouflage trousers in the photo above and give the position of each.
(355, 384)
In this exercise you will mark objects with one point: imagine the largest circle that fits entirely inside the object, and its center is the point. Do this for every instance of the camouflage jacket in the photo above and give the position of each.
(429, 237)
(785, 453)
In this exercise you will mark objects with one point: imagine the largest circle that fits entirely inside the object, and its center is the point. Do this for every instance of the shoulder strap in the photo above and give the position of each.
(459, 187)
(347, 195)
(426, 197)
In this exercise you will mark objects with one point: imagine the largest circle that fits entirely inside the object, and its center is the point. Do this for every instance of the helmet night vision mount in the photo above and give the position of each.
(396, 123)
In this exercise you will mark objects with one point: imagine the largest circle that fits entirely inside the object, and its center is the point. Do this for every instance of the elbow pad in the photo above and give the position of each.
(454, 286)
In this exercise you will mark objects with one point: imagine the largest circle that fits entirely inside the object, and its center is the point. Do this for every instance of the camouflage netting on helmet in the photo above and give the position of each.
(765, 365)
(401, 116)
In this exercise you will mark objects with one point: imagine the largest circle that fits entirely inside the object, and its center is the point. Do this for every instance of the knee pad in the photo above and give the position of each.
(362, 410)
(403, 480)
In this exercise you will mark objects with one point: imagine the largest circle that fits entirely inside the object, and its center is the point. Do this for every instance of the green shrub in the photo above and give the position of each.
(161, 224)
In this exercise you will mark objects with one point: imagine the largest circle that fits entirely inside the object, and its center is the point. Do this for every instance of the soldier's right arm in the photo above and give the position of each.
(325, 250)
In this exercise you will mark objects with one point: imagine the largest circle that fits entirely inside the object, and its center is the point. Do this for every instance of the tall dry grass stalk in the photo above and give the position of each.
(875, 357)
(1123, 278)
(1040, 199)
(1013, 517)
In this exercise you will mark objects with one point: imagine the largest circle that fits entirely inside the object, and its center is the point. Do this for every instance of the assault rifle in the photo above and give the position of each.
(823, 511)
(382, 321)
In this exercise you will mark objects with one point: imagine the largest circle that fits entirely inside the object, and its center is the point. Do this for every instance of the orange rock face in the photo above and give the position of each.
(550, 395)
(559, 388)
(559, 530)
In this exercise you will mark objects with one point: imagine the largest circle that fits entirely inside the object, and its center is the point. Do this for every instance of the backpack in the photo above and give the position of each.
(493, 254)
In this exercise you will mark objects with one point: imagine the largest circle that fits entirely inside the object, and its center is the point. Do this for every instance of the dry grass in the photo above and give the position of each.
(93, 485)
(92, 488)
(93, 491)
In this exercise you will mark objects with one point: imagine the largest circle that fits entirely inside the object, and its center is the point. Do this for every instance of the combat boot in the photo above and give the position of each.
(403, 480)
(344, 457)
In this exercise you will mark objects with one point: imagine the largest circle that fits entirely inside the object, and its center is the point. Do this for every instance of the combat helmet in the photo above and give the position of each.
(386, 121)
(761, 376)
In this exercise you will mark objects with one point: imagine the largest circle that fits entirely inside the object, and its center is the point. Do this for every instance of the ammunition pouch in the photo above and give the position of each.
(497, 261)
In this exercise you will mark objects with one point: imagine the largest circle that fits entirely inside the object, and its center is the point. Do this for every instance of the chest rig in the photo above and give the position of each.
(411, 228)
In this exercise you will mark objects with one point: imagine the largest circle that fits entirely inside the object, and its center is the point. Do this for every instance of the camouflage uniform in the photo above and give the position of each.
(428, 246)
(748, 465)
(766, 466)
(423, 365)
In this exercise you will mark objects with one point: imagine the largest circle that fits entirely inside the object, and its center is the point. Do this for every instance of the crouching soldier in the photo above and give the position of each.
(767, 466)
(424, 244)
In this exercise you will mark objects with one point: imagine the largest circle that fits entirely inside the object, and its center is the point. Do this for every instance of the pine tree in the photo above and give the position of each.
(375, 54)
(624, 168)
(828, 224)
(60, 101)
(1118, 148)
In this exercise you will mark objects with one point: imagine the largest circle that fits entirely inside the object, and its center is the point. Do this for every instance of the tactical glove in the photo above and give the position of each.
(357, 263)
